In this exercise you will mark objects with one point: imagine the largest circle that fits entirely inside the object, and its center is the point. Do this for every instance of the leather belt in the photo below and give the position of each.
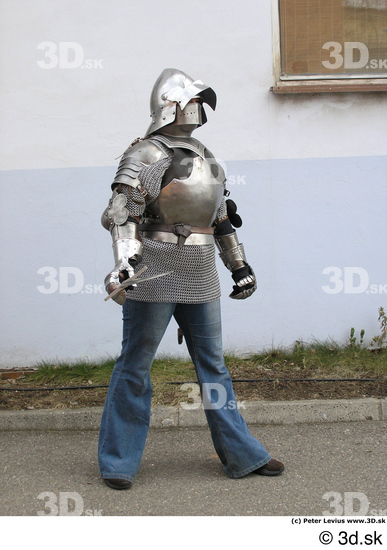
(179, 232)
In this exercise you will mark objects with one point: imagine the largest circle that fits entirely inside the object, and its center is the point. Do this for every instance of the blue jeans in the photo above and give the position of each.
(126, 415)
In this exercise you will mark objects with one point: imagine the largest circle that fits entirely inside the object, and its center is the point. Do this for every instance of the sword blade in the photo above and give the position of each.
(134, 279)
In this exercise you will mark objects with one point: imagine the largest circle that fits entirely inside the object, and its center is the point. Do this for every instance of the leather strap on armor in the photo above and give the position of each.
(181, 230)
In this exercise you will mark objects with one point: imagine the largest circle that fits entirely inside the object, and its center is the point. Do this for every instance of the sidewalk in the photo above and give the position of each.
(329, 447)
(180, 474)
(255, 413)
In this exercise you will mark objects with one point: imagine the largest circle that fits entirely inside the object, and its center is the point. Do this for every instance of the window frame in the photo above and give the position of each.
(284, 84)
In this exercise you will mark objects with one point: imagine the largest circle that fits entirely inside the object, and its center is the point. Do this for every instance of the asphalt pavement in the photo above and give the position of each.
(328, 465)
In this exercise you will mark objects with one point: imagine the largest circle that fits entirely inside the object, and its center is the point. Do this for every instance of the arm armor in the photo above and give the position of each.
(233, 256)
(127, 250)
(232, 252)
(124, 229)
(127, 243)
(126, 207)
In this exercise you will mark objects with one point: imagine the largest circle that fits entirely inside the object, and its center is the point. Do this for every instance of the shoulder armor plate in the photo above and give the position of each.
(182, 143)
(143, 153)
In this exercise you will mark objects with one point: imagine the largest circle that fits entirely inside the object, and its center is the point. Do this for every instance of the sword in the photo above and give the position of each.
(135, 280)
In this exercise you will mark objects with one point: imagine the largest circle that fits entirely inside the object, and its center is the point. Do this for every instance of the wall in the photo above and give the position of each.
(307, 172)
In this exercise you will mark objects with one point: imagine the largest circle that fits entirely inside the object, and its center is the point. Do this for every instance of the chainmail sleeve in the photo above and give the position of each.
(151, 176)
(222, 212)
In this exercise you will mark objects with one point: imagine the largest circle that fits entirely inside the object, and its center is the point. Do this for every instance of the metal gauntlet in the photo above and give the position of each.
(127, 244)
(232, 252)
(127, 250)
(233, 256)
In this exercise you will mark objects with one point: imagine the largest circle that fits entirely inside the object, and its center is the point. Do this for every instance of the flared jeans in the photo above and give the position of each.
(126, 414)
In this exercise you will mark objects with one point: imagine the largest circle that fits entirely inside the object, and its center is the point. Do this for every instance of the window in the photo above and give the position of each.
(330, 45)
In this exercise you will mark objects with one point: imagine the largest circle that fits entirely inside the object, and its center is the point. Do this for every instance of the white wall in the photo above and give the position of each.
(311, 169)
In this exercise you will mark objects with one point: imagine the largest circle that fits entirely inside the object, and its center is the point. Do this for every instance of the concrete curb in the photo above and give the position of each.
(254, 412)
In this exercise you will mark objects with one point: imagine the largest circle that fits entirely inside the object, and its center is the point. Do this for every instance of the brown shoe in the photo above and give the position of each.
(272, 468)
(119, 484)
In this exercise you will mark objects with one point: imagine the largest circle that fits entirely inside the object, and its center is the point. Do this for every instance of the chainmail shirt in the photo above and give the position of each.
(195, 278)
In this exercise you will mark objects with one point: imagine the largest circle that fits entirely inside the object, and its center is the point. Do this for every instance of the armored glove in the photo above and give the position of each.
(127, 244)
(122, 270)
(233, 256)
(245, 281)
(127, 248)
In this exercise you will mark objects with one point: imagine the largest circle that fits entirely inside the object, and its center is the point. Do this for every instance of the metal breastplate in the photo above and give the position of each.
(193, 201)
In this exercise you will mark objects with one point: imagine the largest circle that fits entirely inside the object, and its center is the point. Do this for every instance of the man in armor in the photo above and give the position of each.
(168, 212)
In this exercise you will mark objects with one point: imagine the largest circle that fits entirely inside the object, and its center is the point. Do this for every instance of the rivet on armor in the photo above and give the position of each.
(163, 117)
